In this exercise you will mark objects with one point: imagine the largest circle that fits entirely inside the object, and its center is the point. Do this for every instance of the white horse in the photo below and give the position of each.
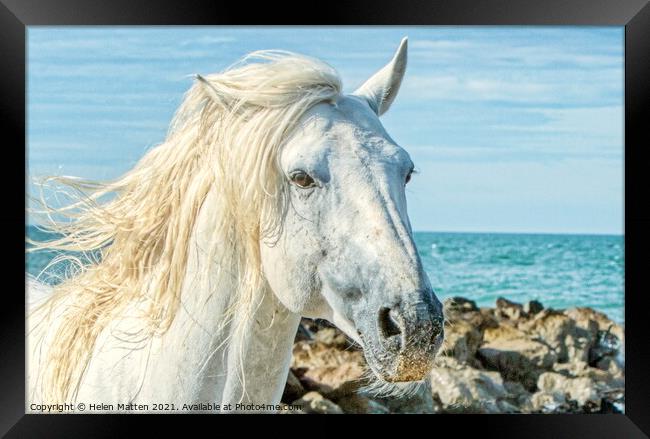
(273, 197)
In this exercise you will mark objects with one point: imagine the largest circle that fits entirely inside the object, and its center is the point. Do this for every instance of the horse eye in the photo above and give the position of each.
(408, 177)
(302, 179)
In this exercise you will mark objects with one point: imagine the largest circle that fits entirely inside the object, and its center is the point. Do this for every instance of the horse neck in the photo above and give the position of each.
(208, 360)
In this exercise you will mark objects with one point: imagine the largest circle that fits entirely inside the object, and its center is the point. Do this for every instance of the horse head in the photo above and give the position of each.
(346, 251)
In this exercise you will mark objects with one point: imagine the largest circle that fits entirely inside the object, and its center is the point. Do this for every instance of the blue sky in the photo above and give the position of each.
(512, 129)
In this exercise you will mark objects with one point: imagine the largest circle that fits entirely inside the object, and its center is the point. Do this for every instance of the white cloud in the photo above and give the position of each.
(514, 53)
(457, 88)
(209, 40)
(592, 131)
(439, 44)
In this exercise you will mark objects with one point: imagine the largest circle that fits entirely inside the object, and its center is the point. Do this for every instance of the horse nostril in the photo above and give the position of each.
(387, 325)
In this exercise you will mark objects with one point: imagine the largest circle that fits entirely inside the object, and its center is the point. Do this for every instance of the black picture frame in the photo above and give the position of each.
(16, 15)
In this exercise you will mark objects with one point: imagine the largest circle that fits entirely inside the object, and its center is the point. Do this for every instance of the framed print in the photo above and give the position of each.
(414, 209)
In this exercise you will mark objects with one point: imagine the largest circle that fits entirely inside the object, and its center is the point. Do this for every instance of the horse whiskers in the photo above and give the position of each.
(376, 387)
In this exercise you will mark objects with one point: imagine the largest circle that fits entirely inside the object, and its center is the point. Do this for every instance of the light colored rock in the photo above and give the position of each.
(583, 316)
(577, 348)
(459, 309)
(314, 402)
(448, 362)
(503, 332)
(461, 341)
(598, 325)
(569, 341)
(509, 310)
(518, 359)
(468, 389)
(582, 389)
(332, 337)
(547, 402)
(604, 380)
(459, 304)
(572, 370)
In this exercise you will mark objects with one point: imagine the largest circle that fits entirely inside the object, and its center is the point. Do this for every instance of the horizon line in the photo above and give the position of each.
(506, 232)
(486, 232)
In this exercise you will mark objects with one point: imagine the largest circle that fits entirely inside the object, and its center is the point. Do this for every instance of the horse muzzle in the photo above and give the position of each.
(405, 338)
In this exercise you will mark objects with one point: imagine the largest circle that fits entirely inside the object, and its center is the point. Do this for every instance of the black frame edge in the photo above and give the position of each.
(637, 219)
(12, 123)
(367, 12)
(631, 13)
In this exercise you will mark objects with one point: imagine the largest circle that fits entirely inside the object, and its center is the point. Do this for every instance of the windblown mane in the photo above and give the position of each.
(226, 135)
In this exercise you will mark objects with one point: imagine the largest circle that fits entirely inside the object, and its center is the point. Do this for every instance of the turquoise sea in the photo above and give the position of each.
(560, 271)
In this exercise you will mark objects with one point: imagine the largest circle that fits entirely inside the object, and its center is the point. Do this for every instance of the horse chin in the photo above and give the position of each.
(401, 370)
(380, 383)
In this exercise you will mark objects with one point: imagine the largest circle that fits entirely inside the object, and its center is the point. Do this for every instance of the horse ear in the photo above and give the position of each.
(380, 90)
(209, 89)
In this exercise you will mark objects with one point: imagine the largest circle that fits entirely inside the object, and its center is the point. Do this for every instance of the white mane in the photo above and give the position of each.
(226, 135)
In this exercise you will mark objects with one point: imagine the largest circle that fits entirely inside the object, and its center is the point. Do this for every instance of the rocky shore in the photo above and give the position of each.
(512, 358)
